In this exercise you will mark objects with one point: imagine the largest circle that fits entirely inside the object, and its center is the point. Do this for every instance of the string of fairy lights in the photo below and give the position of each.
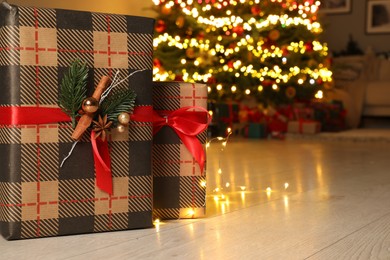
(245, 42)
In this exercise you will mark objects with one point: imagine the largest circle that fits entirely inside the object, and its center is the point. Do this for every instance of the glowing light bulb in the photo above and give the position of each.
(219, 171)
(219, 87)
(203, 184)
(156, 221)
(243, 188)
(286, 185)
(319, 94)
(247, 91)
(227, 185)
(234, 89)
(269, 189)
(229, 130)
(191, 212)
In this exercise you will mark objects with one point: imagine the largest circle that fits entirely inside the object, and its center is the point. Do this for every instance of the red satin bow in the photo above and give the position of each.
(44, 115)
(187, 125)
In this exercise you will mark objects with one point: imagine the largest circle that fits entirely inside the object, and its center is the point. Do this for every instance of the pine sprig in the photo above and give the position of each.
(118, 102)
(73, 89)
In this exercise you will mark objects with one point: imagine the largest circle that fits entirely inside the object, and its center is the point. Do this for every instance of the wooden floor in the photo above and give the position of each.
(326, 200)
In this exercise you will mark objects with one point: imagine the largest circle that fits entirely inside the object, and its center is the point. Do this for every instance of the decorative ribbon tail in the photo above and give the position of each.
(195, 148)
(102, 161)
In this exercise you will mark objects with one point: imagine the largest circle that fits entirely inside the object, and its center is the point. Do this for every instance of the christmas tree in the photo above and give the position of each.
(268, 49)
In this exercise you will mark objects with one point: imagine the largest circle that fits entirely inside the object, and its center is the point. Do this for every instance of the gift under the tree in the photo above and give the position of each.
(103, 185)
(331, 115)
(180, 132)
(226, 115)
(257, 130)
(303, 127)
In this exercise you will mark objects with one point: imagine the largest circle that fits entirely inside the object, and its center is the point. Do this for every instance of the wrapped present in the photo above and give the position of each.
(306, 113)
(331, 115)
(226, 115)
(178, 150)
(257, 130)
(40, 196)
(304, 127)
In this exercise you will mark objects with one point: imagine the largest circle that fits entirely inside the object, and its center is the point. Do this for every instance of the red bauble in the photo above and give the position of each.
(230, 64)
(156, 63)
(212, 80)
(239, 30)
(160, 26)
(179, 78)
(285, 51)
(309, 46)
(200, 36)
(255, 10)
(267, 83)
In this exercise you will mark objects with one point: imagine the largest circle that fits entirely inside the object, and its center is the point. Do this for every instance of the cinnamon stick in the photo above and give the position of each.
(86, 119)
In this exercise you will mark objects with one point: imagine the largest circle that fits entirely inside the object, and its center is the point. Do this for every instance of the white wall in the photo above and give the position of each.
(339, 27)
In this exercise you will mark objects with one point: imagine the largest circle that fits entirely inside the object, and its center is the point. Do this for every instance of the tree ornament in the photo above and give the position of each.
(189, 31)
(274, 35)
(190, 53)
(200, 36)
(178, 77)
(100, 127)
(124, 118)
(90, 105)
(180, 21)
(239, 30)
(156, 63)
(285, 50)
(166, 10)
(291, 92)
(160, 26)
(255, 10)
(309, 46)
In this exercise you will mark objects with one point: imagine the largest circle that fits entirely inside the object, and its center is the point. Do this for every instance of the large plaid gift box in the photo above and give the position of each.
(178, 183)
(38, 197)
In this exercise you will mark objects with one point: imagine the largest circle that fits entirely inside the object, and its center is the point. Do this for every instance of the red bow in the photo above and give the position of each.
(43, 115)
(187, 125)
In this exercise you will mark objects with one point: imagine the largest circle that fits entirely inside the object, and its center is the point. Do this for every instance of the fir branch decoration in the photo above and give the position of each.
(73, 89)
(118, 102)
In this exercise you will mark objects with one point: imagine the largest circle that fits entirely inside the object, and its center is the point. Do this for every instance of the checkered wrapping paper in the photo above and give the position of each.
(38, 198)
(177, 181)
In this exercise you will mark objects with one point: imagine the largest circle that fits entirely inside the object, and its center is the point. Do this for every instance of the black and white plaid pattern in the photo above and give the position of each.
(37, 197)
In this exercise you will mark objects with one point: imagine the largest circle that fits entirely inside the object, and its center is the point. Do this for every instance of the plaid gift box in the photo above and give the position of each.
(304, 127)
(38, 197)
(257, 130)
(178, 183)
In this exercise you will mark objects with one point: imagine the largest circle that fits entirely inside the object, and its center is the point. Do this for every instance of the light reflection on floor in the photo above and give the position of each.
(243, 173)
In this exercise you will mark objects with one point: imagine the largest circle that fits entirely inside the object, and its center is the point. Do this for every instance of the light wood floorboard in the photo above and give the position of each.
(336, 206)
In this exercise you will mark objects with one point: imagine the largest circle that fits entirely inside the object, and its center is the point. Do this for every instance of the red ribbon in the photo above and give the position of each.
(31, 115)
(43, 115)
(102, 159)
(187, 125)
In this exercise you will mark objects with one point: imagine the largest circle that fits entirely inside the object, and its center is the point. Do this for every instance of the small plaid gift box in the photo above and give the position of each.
(179, 178)
(38, 197)
(304, 127)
